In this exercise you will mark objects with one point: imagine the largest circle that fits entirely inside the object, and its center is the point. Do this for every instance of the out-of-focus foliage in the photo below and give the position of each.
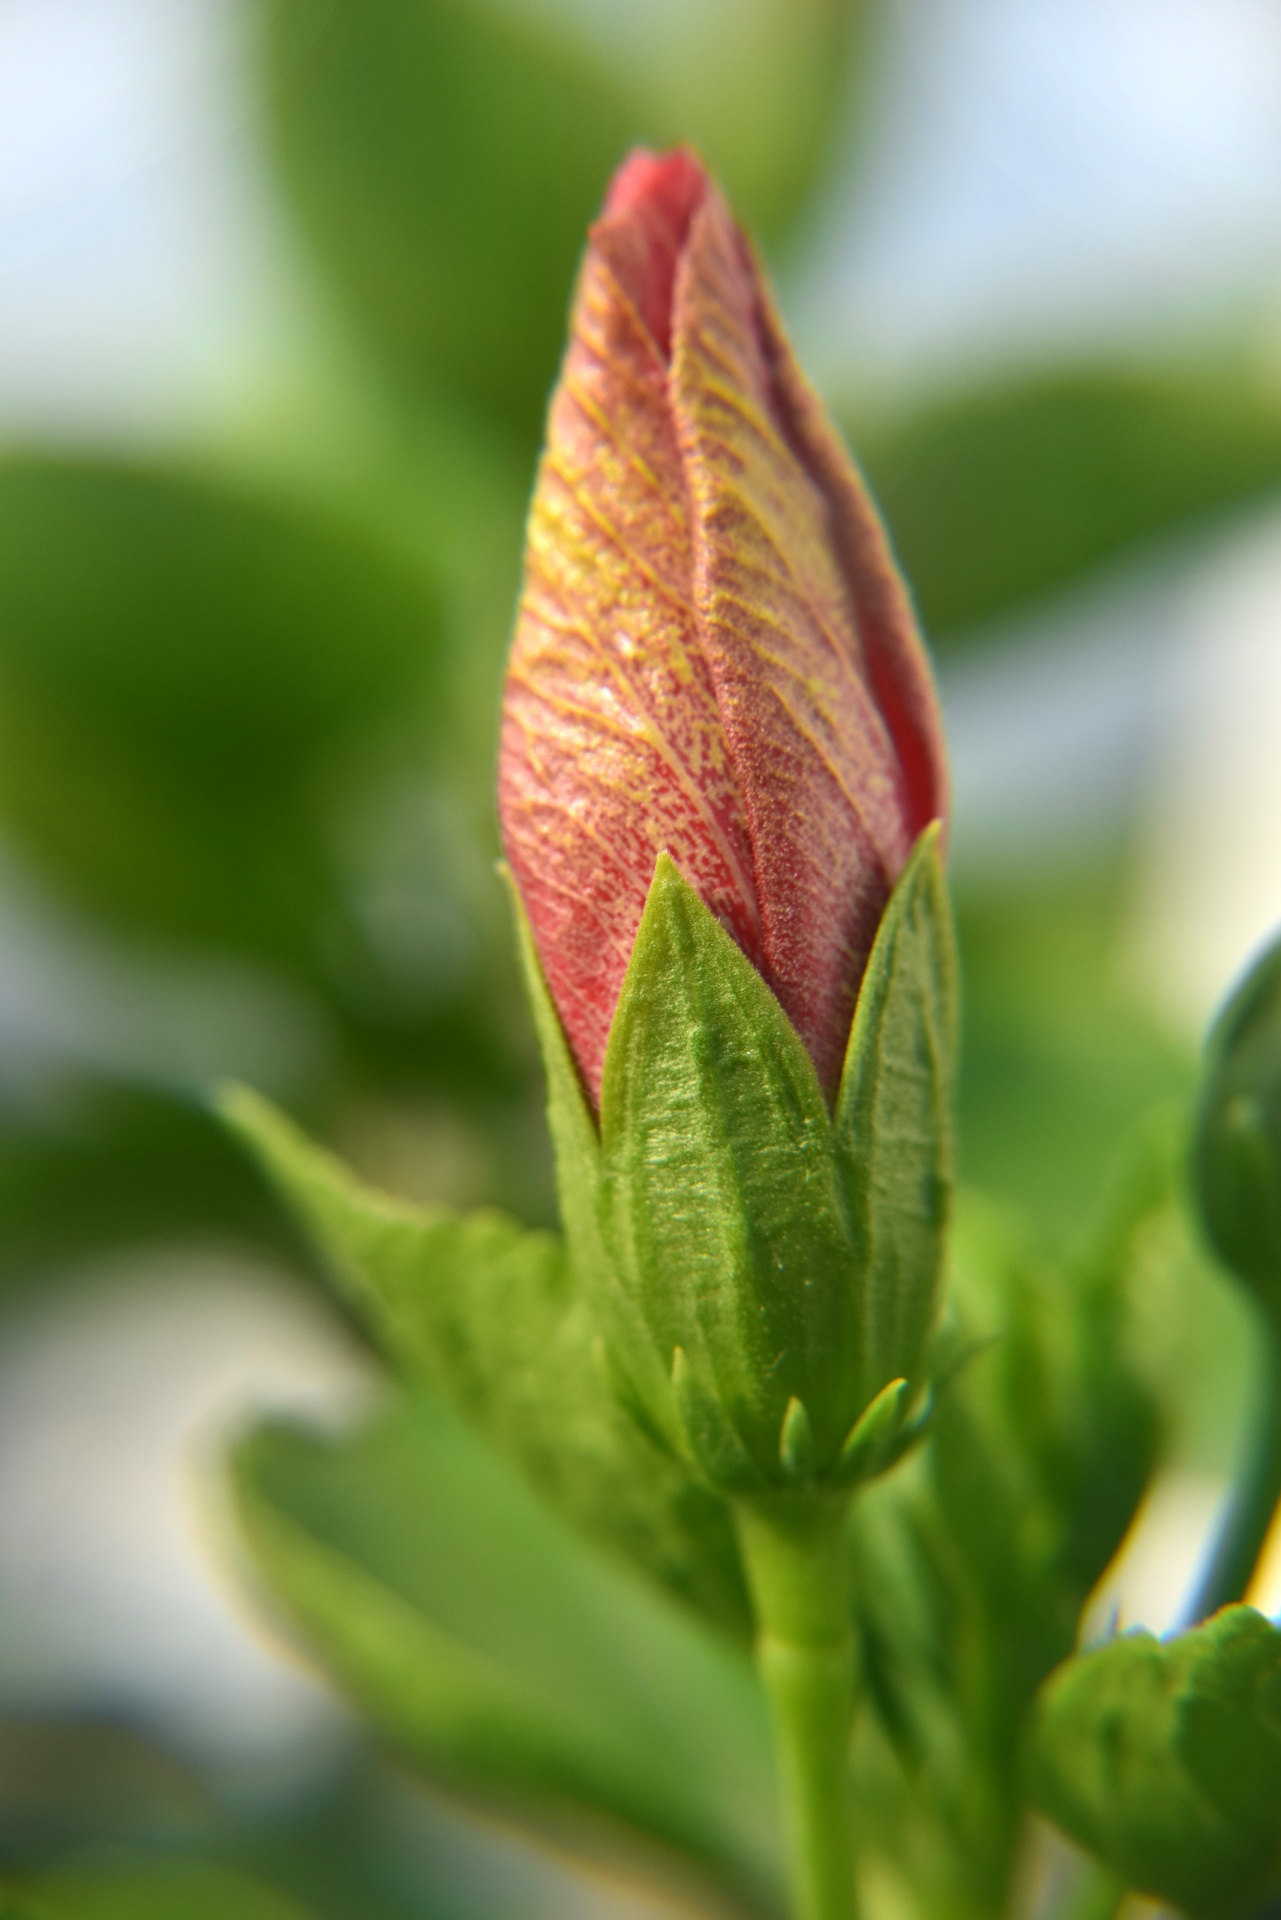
(1007, 493)
(490, 1314)
(1059, 1059)
(1165, 1760)
(114, 1165)
(446, 155)
(186, 676)
(499, 1654)
(159, 1890)
(974, 1566)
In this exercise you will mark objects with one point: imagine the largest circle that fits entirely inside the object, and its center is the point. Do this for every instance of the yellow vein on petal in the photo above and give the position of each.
(605, 428)
(651, 734)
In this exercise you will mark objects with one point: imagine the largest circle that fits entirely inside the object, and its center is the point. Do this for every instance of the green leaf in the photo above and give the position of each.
(446, 156)
(1012, 491)
(490, 1313)
(974, 1562)
(1062, 1059)
(180, 692)
(1165, 1760)
(893, 1128)
(158, 1890)
(719, 1194)
(497, 1653)
(113, 1166)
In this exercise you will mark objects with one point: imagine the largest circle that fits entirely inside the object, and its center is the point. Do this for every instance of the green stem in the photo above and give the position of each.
(1255, 1495)
(798, 1569)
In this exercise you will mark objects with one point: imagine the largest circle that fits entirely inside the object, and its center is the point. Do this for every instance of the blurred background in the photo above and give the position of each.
(282, 290)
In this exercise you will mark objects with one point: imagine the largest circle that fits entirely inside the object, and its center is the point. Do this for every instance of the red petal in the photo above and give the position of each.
(817, 669)
(651, 201)
(612, 748)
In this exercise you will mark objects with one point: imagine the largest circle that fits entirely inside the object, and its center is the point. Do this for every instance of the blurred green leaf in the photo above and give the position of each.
(446, 159)
(475, 1304)
(186, 673)
(976, 1564)
(115, 1166)
(761, 87)
(1008, 493)
(497, 1653)
(446, 156)
(1061, 1059)
(1165, 1760)
(161, 1890)
(69, 1785)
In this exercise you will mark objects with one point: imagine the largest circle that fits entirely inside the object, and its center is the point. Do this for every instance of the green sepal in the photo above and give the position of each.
(875, 1433)
(893, 1126)
(640, 1375)
(1164, 1759)
(720, 1203)
(796, 1442)
(491, 1314)
(789, 1256)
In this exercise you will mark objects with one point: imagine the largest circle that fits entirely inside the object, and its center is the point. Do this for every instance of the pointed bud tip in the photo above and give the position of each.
(651, 202)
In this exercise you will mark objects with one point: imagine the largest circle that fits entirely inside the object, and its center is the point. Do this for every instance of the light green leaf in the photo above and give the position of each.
(1165, 1761)
(158, 1890)
(1013, 491)
(490, 1313)
(500, 1655)
(893, 1129)
(720, 1198)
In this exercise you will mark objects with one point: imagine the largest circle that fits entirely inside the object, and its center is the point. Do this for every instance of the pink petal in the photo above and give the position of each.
(817, 670)
(611, 746)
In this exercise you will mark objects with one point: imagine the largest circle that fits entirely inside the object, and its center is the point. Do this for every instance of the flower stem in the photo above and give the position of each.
(797, 1567)
(1255, 1496)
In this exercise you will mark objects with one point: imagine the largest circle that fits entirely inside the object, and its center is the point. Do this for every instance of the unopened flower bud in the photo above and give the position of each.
(715, 656)
(1238, 1133)
(720, 781)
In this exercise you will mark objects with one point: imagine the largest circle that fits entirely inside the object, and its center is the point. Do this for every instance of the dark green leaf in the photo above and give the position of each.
(1165, 1760)
(114, 1166)
(490, 1313)
(446, 156)
(1013, 491)
(500, 1655)
(1062, 1058)
(446, 159)
(186, 671)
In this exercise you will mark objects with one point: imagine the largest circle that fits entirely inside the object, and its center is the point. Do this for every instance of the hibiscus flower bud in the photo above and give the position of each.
(715, 657)
(1237, 1157)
